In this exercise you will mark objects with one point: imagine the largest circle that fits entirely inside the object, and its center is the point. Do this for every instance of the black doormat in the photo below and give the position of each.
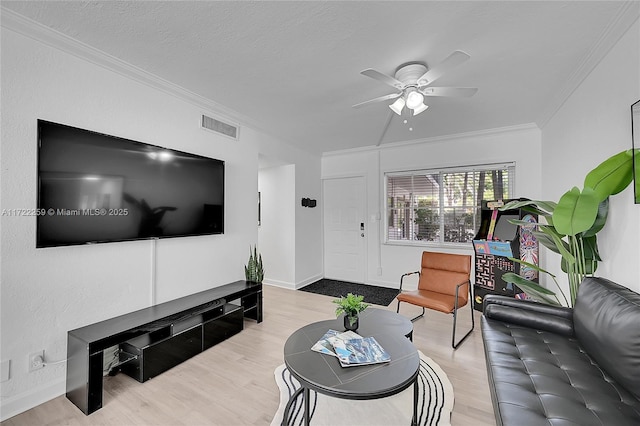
(382, 296)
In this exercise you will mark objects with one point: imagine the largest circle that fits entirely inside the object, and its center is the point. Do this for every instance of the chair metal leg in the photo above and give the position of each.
(455, 312)
(419, 316)
(412, 319)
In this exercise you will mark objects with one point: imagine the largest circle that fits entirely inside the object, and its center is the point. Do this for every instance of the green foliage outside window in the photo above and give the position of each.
(442, 206)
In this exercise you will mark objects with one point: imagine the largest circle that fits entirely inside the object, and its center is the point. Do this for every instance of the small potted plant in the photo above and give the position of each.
(350, 306)
(253, 270)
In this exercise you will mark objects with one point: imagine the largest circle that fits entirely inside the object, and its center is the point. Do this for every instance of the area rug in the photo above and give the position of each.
(434, 405)
(381, 296)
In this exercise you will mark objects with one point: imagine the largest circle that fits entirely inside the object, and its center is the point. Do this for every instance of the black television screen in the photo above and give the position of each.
(96, 188)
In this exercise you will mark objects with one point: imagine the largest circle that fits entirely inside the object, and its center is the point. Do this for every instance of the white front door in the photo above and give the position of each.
(344, 229)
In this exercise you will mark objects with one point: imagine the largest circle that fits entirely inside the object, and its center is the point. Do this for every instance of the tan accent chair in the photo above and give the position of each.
(443, 286)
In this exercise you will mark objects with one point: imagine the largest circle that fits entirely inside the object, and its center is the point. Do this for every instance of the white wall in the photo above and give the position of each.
(276, 234)
(308, 226)
(519, 144)
(593, 124)
(309, 246)
(47, 292)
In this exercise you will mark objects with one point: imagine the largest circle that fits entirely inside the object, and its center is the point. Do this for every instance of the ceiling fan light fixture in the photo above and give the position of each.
(414, 99)
(419, 109)
(397, 106)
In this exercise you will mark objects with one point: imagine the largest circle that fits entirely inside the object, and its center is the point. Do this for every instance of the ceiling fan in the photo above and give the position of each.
(413, 82)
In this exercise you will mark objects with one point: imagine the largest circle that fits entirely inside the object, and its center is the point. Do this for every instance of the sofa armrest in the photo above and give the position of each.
(555, 319)
(560, 311)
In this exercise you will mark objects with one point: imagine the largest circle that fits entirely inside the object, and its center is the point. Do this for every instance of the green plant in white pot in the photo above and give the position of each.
(571, 225)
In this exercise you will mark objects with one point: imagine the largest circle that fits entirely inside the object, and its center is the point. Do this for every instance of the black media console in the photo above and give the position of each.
(154, 339)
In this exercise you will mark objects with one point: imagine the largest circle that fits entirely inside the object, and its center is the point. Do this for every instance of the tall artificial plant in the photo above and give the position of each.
(572, 223)
(253, 270)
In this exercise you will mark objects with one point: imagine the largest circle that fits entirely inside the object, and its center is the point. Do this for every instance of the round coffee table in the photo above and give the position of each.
(323, 373)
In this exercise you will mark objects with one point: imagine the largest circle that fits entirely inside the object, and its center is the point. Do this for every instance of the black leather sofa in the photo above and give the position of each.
(559, 366)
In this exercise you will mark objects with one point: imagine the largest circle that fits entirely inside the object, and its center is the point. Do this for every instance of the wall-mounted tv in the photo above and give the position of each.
(95, 188)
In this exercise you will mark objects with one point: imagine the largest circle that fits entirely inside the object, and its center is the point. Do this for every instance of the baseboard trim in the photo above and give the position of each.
(281, 284)
(293, 286)
(14, 405)
(386, 284)
(308, 281)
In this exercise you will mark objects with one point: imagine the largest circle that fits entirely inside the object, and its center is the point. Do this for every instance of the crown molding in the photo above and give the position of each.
(50, 37)
(434, 139)
(627, 15)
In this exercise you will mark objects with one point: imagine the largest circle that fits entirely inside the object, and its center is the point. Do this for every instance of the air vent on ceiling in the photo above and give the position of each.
(218, 126)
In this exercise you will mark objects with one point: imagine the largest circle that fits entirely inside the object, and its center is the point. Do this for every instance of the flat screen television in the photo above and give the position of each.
(96, 188)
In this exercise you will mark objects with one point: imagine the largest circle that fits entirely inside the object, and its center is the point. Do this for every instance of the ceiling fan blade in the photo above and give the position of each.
(377, 75)
(452, 61)
(456, 92)
(379, 99)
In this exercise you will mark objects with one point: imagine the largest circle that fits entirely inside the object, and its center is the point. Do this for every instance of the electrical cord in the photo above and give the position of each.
(44, 364)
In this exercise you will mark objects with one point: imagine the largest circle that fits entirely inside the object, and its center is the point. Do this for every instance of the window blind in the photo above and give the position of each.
(443, 205)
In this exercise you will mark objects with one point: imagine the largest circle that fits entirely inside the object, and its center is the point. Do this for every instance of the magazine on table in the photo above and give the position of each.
(363, 351)
(351, 349)
(325, 344)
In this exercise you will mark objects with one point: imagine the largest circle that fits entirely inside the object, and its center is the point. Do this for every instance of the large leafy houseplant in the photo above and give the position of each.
(571, 225)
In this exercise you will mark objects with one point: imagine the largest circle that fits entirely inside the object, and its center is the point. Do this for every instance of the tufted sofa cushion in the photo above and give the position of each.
(543, 378)
(607, 325)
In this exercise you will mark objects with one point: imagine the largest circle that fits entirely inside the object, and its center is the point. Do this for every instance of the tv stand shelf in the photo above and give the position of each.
(169, 333)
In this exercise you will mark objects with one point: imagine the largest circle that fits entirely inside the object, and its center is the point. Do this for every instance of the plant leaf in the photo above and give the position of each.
(611, 176)
(547, 206)
(576, 211)
(533, 290)
(550, 238)
(546, 241)
(591, 248)
(542, 208)
(601, 219)
(531, 265)
(524, 222)
(563, 247)
(590, 267)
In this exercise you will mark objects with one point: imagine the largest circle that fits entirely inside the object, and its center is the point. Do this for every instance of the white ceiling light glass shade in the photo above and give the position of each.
(397, 106)
(419, 109)
(414, 99)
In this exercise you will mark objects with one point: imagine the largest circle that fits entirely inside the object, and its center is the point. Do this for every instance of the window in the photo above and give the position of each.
(443, 205)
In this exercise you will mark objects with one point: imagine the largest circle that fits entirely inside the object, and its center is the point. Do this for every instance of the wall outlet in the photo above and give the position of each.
(4, 370)
(36, 360)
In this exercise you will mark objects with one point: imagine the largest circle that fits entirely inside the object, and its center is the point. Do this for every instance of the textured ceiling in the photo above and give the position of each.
(293, 68)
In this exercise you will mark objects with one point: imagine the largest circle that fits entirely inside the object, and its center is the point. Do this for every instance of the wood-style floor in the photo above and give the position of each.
(233, 384)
